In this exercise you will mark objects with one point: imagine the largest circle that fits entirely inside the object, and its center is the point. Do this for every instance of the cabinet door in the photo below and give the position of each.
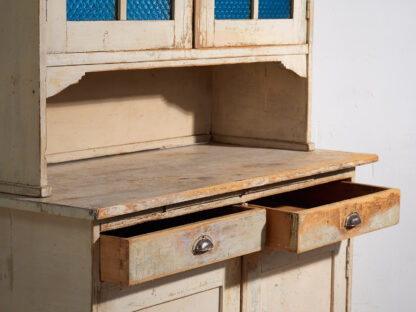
(213, 288)
(226, 23)
(118, 25)
(278, 281)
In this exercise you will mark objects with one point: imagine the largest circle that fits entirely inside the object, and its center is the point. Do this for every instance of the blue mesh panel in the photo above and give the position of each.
(149, 10)
(90, 10)
(232, 9)
(275, 9)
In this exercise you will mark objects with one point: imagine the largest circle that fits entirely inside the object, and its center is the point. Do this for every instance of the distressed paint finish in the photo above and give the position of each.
(275, 280)
(119, 185)
(223, 277)
(134, 260)
(299, 230)
(171, 212)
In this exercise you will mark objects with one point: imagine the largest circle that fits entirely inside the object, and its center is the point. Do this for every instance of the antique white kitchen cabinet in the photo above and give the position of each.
(155, 155)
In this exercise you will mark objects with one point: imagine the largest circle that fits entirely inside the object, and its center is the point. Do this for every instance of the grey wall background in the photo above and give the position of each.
(364, 100)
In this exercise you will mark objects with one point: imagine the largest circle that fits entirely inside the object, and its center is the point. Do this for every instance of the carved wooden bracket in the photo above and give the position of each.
(60, 78)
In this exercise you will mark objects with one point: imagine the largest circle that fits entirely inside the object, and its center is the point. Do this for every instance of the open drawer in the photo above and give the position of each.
(155, 249)
(313, 217)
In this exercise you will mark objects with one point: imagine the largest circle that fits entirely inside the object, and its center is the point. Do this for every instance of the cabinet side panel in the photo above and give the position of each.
(6, 265)
(22, 98)
(261, 104)
(46, 263)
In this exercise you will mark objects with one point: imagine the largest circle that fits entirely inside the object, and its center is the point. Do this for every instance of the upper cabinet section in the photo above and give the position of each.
(228, 23)
(118, 25)
(76, 26)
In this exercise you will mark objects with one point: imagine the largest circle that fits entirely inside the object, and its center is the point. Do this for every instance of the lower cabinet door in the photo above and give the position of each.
(278, 281)
(212, 288)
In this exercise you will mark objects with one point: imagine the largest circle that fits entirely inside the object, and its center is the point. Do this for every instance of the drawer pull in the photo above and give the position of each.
(353, 220)
(202, 245)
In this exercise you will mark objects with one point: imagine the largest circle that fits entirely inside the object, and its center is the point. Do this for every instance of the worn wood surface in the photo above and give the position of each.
(239, 197)
(317, 215)
(211, 32)
(118, 185)
(60, 77)
(22, 98)
(181, 289)
(96, 58)
(119, 35)
(280, 281)
(136, 259)
(45, 263)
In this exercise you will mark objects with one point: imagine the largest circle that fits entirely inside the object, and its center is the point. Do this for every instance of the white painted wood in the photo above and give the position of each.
(62, 77)
(204, 23)
(127, 148)
(226, 33)
(121, 35)
(45, 263)
(92, 58)
(280, 281)
(140, 258)
(183, 10)
(207, 301)
(255, 9)
(23, 98)
(145, 110)
(181, 290)
(261, 101)
(122, 10)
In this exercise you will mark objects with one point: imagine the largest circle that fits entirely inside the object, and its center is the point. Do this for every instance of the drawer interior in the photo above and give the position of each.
(164, 224)
(316, 196)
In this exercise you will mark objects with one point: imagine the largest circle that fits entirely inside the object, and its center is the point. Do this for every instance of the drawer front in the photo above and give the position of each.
(141, 258)
(314, 217)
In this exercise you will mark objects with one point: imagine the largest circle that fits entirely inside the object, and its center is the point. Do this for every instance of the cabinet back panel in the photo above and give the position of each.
(262, 104)
(123, 108)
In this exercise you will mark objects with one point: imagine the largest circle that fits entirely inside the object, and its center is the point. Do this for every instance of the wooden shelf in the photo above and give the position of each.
(65, 69)
(118, 185)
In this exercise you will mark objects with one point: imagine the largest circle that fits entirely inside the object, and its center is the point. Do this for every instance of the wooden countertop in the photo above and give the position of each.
(117, 185)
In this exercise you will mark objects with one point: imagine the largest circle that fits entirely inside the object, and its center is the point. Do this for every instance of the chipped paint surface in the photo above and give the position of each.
(302, 229)
(167, 252)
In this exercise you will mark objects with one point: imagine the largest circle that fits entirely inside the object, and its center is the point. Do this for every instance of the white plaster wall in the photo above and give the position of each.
(364, 100)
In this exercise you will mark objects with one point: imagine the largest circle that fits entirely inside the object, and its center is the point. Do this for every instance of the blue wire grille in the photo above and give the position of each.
(149, 10)
(91, 10)
(232, 9)
(275, 9)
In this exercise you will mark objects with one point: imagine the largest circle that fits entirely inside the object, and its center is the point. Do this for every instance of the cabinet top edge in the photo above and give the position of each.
(152, 180)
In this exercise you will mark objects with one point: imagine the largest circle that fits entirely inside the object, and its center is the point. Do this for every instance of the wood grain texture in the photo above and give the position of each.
(319, 219)
(45, 263)
(137, 259)
(236, 198)
(223, 277)
(119, 185)
(23, 98)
